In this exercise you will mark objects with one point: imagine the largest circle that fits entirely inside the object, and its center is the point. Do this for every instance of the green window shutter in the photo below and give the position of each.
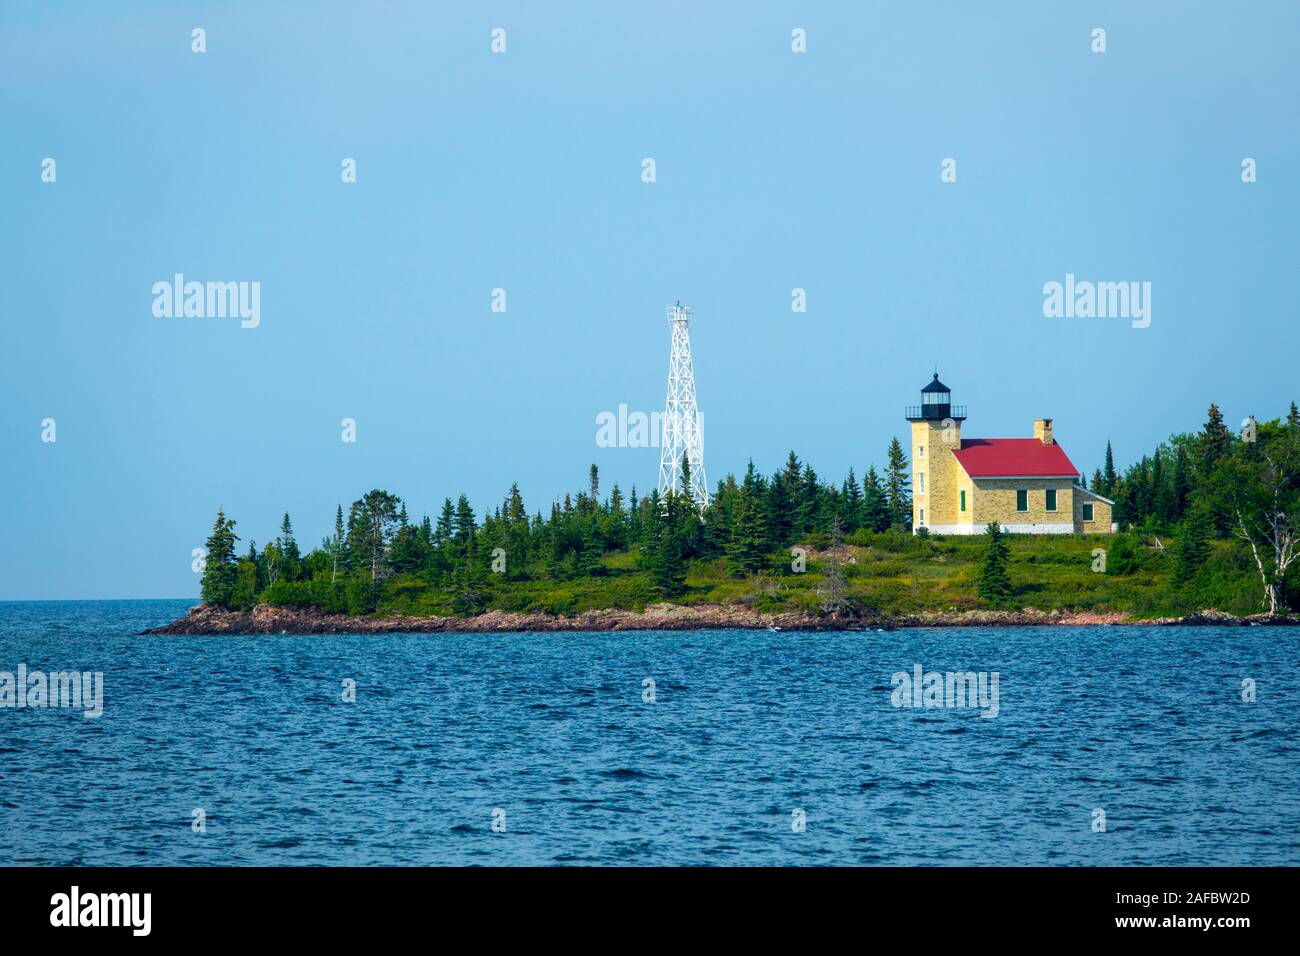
(963, 501)
(1087, 511)
(1022, 499)
(1051, 499)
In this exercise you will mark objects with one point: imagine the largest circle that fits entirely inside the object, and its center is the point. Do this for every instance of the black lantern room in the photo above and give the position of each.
(936, 404)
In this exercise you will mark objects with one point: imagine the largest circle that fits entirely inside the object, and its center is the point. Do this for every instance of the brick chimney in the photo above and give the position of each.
(1043, 430)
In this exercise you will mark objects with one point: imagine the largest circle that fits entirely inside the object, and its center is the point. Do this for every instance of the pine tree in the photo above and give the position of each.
(897, 489)
(745, 552)
(219, 570)
(875, 503)
(290, 556)
(587, 557)
(778, 511)
(1180, 485)
(993, 584)
(1108, 476)
(852, 503)
(371, 525)
(667, 563)
(446, 527)
(807, 514)
(1216, 440)
(1293, 416)
(336, 551)
(465, 526)
(1193, 547)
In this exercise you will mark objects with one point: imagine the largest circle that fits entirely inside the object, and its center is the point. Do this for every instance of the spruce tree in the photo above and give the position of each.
(290, 556)
(1108, 476)
(745, 553)
(993, 583)
(778, 511)
(852, 503)
(897, 489)
(337, 545)
(1216, 440)
(1193, 547)
(667, 563)
(875, 503)
(218, 582)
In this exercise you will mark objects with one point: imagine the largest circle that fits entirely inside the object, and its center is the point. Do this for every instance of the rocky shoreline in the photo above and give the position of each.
(265, 619)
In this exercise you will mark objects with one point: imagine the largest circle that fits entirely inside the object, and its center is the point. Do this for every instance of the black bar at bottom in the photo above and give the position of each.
(335, 905)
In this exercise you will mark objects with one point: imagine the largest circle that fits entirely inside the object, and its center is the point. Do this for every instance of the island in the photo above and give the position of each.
(1205, 531)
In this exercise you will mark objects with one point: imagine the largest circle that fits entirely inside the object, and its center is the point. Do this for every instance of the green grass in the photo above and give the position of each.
(891, 575)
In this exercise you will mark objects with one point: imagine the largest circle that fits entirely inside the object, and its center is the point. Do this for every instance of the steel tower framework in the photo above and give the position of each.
(682, 434)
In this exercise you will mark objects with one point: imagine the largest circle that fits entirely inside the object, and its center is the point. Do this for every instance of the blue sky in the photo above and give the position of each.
(775, 170)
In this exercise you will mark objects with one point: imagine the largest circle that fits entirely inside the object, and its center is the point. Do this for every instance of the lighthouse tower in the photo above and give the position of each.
(936, 434)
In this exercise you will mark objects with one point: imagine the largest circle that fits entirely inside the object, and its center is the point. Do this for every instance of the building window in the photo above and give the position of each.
(1051, 499)
(1022, 499)
(963, 500)
(921, 478)
(920, 451)
(1087, 511)
(922, 521)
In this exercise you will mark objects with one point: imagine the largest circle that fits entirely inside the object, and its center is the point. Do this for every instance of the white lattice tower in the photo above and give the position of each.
(682, 434)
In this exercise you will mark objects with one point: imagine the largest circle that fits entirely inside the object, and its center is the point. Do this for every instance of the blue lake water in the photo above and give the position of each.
(1146, 724)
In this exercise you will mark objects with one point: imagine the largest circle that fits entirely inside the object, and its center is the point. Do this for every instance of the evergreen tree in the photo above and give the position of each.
(1216, 440)
(808, 512)
(993, 584)
(465, 526)
(445, 530)
(1108, 476)
(1180, 485)
(338, 544)
(1293, 416)
(852, 503)
(667, 563)
(875, 503)
(218, 582)
(587, 555)
(745, 550)
(778, 511)
(290, 556)
(897, 489)
(1193, 547)
(372, 523)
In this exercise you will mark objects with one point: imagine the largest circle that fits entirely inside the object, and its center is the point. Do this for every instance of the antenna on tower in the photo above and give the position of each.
(682, 435)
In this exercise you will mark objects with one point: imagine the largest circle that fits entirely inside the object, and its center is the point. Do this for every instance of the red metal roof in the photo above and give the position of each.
(1014, 458)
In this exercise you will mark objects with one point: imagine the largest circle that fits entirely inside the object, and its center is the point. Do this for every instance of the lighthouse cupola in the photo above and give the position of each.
(936, 404)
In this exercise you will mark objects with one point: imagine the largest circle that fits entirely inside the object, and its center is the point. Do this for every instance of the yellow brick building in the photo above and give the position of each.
(1027, 485)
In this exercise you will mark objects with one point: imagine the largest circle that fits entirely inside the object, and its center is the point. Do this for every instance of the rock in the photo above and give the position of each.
(265, 619)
